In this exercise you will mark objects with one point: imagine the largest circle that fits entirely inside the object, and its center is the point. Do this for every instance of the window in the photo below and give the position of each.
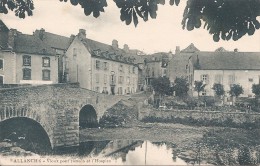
(129, 69)
(105, 78)
(106, 66)
(128, 80)
(45, 62)
(46, 75)
(1, 80)
(26, 60)
(121, 80)
(218, 79)
(205, 78)
(133, 70)
(120, 90)
(1, 64)
(231, 80)
(104, 90)
(112, 79)
(97, 78)
(97, 64)
(204, 93)
(121, 68)
(250, 79)
(26, 74)
(75, 52)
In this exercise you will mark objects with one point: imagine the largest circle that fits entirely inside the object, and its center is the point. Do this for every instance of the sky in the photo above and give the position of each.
(162, 34)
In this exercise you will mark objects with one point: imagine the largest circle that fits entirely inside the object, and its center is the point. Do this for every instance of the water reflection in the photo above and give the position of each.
(138, 152)
(132, 152)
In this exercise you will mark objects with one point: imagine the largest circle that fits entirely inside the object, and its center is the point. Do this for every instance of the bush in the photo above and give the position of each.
(203, 122)
(111, 121)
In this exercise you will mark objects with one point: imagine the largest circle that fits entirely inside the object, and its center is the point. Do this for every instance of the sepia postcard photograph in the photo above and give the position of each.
(129, 82)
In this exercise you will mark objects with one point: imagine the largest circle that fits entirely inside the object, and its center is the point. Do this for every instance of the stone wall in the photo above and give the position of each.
(56, 107)
(237, 117)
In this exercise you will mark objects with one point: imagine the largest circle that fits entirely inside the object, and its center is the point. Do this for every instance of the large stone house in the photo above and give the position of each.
(31, 59)
(101, 67)
(226, 68)
(154, 66)
(177, 66)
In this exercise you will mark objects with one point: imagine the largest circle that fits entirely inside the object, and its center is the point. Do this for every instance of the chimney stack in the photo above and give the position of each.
(115, 44)
(82, 33)
(126, 48)
(177, 50)
(11, 37)
(41, 34)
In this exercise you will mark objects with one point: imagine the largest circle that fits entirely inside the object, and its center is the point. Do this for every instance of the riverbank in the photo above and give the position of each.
(175, 133)
(211, 145)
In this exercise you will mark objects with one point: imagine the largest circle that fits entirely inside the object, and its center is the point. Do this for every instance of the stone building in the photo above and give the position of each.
(31, 59)
(226, 68)
(177, 66)
(101, 67)
(154, 66)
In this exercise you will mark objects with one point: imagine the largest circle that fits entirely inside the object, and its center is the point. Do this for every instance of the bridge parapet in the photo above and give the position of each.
(55, 107)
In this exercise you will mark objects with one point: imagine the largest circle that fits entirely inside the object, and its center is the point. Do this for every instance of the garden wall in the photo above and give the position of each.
(220, 116)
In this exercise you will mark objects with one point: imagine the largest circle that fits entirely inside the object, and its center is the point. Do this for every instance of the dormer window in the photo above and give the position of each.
(26, 60)
(45, 62)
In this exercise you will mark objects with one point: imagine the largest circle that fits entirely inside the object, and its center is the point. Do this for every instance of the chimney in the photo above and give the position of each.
(235, 50)
(72, 37)
(126, 48)
(82, 33)
(177, 50)
(115, 44)
(11, 36)
(41, 34)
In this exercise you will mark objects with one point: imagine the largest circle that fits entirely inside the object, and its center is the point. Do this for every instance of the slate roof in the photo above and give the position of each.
(156, 57)
(3, 27)
(105, 51)
(190, 49)
(227, 60)
(34, 44)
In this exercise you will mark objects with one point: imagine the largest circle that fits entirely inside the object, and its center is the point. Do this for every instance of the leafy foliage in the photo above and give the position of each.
(20, 7)
(256, 89)
(236, 90)
(219, 89)
(199, 86)
(181, 87)
(244, 156)
(223, 19)
(90, 6)
(161, 85)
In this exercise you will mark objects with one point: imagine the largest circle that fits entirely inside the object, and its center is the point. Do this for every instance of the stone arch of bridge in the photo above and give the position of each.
(88, 117)
(26, 133)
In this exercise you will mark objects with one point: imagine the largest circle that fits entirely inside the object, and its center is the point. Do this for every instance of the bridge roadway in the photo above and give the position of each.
(55, 107)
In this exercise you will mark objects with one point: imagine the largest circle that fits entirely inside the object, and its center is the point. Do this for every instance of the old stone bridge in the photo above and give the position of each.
(58, 109)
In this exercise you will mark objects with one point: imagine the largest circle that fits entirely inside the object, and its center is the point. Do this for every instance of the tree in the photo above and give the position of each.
(236, 90)
(244, 156)
(223, 19)
(219, 89)
(199, 87)
(161, 86)
(181, 87)
(256, 91)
